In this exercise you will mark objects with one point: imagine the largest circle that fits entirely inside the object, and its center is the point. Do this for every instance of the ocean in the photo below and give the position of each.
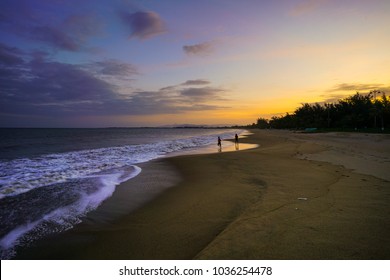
(51, 178)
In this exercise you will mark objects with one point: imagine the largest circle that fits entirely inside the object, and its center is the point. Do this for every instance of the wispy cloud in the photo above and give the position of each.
(203, 94)
(144, 24)
(198, 82)
(9, 55)
(331, 98)
(55, 37)
(71, 34)
(201, 49)
(193, 95)
(342, 90)
(175, 102)
(113, 67)
(358, 87)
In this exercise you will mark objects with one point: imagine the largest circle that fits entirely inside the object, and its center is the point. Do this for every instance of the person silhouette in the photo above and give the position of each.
(219, 144)
(236, 141)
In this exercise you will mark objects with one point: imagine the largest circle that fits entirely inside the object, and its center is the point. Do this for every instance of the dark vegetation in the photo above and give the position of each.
(360, 112)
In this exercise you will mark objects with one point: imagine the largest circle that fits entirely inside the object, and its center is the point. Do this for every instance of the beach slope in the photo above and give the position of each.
(286, 199)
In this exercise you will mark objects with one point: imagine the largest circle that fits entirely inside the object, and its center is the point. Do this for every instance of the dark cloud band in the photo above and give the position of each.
(32, 85)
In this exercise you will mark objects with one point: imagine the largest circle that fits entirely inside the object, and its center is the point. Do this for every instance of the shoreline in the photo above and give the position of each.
(157, 176)
(263, 203)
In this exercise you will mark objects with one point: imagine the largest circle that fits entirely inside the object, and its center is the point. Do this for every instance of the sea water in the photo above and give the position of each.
(50, 178)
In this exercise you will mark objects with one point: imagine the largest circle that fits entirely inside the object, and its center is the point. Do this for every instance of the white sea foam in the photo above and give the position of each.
(66, 217)
(72, 184)
(24, 174)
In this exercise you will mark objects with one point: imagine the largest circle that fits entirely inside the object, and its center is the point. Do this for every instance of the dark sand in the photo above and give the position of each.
(290, 198)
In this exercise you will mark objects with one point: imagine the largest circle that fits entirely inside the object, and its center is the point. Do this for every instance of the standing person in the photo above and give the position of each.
(236, 141)
(219, 143)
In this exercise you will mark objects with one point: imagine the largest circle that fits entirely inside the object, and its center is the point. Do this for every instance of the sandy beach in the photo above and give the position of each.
(295, 196)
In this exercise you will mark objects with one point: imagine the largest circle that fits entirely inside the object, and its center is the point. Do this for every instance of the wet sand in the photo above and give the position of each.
(296, 196)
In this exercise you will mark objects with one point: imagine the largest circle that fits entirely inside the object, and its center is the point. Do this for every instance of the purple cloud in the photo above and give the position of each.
(144, 24)
(199, 49)
(193, 98)
(198, 82)
(33, 87)
(71, 35)
(57, 84)
(56, 38)
(203, 94)
(69, 32)
(112, 67)
(9, 55)
(41, 87)
(159, 102)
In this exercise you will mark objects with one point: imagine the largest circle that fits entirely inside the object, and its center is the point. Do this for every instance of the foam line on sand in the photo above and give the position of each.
(271, 202)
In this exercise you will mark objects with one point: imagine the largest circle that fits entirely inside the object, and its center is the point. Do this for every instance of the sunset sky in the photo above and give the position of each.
(149, 63)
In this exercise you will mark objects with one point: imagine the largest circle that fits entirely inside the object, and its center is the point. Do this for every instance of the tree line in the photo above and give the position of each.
(359, 111)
